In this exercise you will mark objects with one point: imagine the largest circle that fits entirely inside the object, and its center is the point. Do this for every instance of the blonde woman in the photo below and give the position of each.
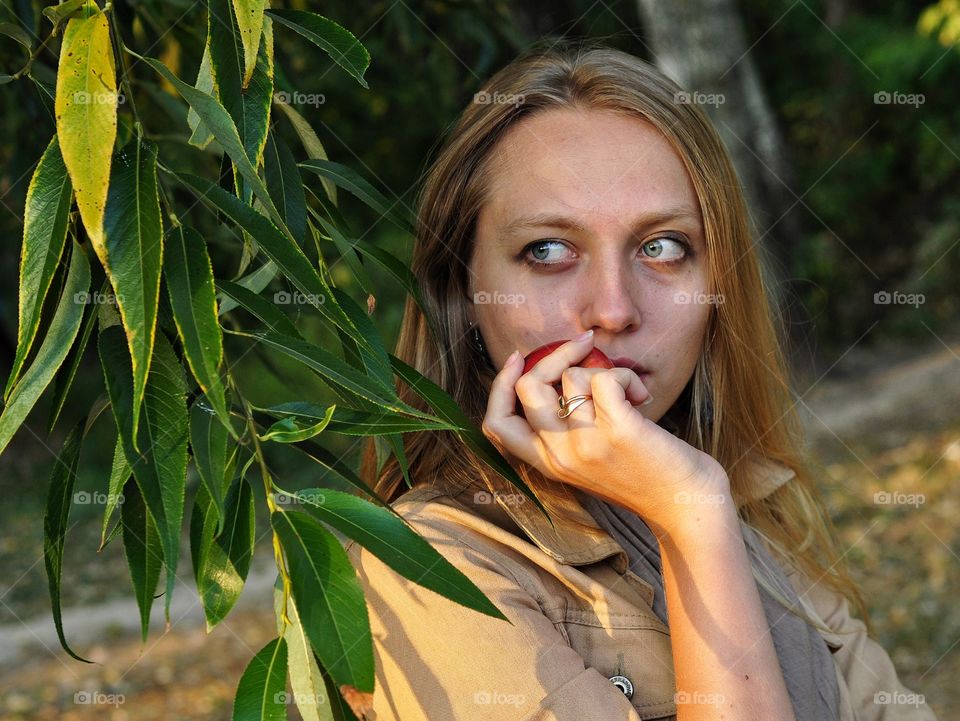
(690, 570)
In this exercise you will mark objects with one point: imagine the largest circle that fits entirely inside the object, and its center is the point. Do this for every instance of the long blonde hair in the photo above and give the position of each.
(737, 407)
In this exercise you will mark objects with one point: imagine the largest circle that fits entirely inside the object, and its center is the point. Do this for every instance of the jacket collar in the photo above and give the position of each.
(509, 508)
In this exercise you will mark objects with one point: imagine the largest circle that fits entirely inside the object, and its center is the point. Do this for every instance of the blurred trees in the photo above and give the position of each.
(702, 46)
(873, 185)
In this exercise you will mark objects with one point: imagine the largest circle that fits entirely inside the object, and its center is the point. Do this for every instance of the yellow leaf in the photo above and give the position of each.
(86, 109)
(250, 21)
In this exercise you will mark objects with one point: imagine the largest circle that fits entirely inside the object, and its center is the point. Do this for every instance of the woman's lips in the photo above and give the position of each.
(624, 362)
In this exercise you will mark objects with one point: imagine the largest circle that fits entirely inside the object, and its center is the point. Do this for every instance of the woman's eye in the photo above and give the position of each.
(665, 249)
(540, 251)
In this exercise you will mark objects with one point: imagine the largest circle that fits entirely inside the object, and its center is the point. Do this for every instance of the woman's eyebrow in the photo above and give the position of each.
(555, 220)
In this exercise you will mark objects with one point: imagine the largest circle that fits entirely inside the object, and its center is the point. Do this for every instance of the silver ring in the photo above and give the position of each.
(569, 405)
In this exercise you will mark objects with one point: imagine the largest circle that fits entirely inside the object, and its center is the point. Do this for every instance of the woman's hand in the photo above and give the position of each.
(605, 447)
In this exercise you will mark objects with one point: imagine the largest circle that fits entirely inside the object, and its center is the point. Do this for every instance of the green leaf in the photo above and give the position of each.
(246, 98)
(190, 285)
(395, 267)
(200, 133)
(253, 282)
(143, 549)
(281, 250)
(160, 464)
(376, 360)
(351, 422)
(342, 46)
(68, 372)
(218, 120)
(59, 498)
(226, 57)
(349, 255)
(342, 710)
(257, 98)
(86, 110)
(396, 445)
(54, 348)
(287, 430)
(45, 216)
(306, 681)
(329, 598)
(133, 254)
(350, 180)
(249, 15)
(120, 472)
(16, 32)
(221, 560)
(208, 441)
(57, 14)
(387, 536)
(334, 371)
(286, 185)
(260, 693)
(311, 143)
(263, 309)
(446, 408)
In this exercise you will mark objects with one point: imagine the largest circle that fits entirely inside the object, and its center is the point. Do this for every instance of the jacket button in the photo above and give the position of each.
(624, 684)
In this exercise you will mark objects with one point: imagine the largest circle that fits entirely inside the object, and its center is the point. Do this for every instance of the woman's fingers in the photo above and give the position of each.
(535, 388)
(578, 380)
(509, 432)
(615, 389)
(613, 396)
(530, 437)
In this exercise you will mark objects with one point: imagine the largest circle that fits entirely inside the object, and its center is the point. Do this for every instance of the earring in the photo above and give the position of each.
(477, 340)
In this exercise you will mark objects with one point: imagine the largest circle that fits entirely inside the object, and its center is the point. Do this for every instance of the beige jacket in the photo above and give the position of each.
(579, 618)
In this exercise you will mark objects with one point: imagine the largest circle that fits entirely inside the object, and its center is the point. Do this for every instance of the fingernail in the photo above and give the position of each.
(584, 336)
(512, 359)
(648, 401)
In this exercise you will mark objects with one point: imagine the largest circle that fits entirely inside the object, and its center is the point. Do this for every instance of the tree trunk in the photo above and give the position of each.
(701, 45)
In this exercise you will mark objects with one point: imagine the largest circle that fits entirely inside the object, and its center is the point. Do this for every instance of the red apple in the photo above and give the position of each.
(594, 359)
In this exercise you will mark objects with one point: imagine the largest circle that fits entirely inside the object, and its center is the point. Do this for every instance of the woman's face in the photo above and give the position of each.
(593, 222)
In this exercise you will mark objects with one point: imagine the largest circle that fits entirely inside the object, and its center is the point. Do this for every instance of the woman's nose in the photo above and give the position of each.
(609, 298)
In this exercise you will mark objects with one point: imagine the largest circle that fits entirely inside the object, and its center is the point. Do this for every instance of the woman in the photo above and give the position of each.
(689, 570)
